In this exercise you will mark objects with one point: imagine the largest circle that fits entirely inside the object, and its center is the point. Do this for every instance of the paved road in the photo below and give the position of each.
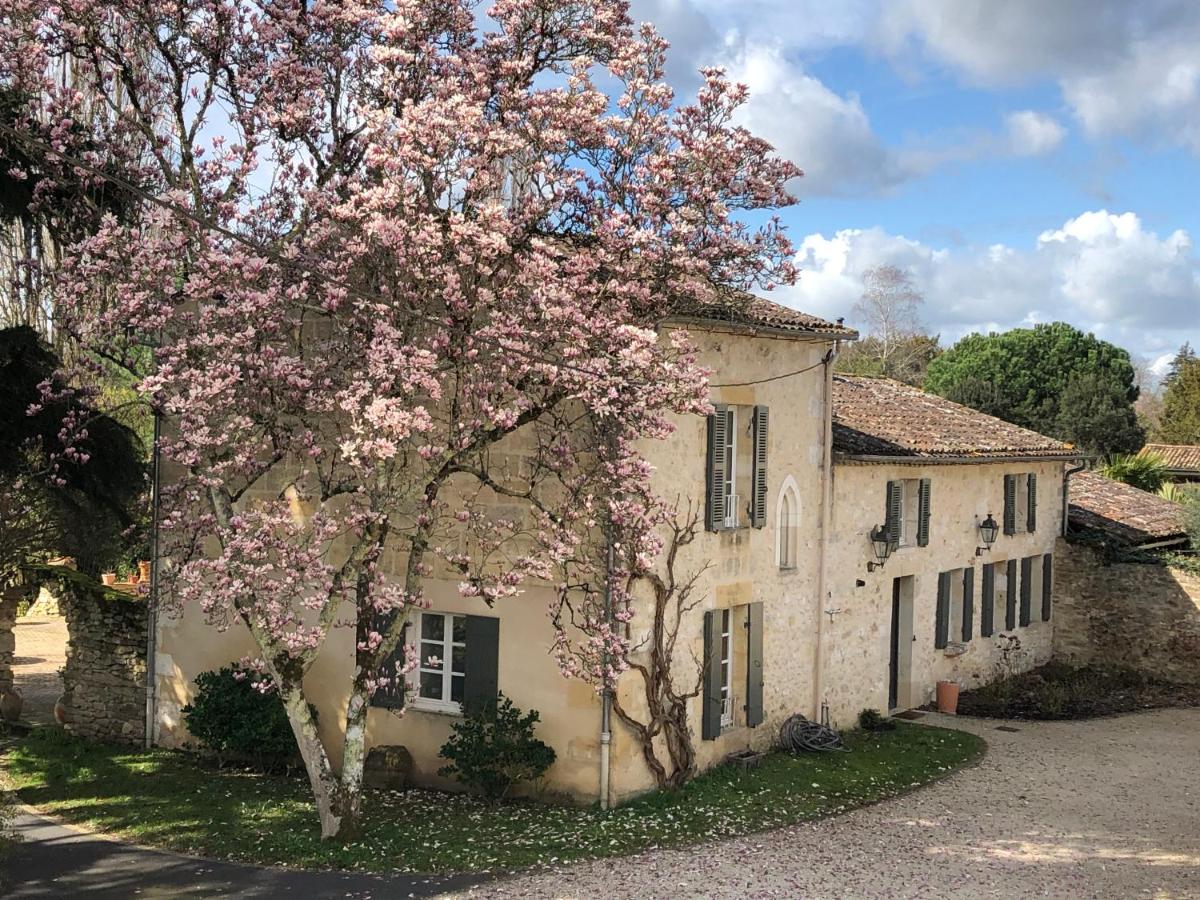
(1102, 809)
(1105, 809)
(41, 651)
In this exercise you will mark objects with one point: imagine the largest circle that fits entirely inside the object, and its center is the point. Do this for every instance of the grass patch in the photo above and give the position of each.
(1060, 691)
(172, 800)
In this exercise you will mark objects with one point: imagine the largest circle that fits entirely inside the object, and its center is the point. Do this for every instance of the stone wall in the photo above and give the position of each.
(104, 682)
(1142, 615)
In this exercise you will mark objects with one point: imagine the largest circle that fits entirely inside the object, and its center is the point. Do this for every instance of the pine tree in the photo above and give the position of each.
(1180, 421)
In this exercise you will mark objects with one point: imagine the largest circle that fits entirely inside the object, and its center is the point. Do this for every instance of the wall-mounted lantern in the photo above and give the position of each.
(988, 529)
(883, 547)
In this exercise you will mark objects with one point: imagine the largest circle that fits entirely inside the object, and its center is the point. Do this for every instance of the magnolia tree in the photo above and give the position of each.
(374, 246)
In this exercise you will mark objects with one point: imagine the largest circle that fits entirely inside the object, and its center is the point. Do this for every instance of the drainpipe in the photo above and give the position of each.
(1066, 494)
(606, 697)
(826, 518)
(152, 598)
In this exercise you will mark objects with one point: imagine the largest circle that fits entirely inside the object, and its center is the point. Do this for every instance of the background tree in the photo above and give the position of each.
(894, 343)
(417, 248)
(1053, 379)
(1148, 405)
(1185, 357)
(1179, 422)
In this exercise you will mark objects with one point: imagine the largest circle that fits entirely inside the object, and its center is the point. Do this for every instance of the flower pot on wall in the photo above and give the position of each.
(144, 570)
(108, 578)
(947, 697)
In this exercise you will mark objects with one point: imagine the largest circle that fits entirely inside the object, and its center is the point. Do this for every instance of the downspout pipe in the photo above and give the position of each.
(152, 598)
(606, 697)
(1066, 494)
(826, 519)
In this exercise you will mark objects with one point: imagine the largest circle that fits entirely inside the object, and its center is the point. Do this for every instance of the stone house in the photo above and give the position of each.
(1182, 460)
(922, 475)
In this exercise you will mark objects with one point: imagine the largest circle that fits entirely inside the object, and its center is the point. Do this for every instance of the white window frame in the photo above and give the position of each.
(732, 501)
(910, 506)
(445, 669)
(726, 668)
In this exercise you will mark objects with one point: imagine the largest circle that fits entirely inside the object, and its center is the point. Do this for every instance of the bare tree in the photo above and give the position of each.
(889, 311)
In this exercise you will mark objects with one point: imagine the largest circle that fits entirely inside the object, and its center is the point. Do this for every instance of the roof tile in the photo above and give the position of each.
(1176, 456)
(1122, 512)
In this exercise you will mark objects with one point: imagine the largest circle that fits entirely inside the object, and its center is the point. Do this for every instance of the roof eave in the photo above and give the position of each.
(952, 459)
(763, 330)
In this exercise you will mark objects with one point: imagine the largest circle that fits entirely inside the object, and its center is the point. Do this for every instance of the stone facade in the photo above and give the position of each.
(1141, 615)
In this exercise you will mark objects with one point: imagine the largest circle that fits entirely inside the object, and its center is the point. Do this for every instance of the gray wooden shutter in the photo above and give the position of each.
(1047, 585)
(923, 513)
(714, 495)
(758, 509)
(1031, 508)
(987, 601)
(1026, 588)
(483, 664)
(968, 604)
(1010, 504)
(711, 714)
(1010, 596)
(941, 625)
(894, 512)
(754, 665)
(391, 695)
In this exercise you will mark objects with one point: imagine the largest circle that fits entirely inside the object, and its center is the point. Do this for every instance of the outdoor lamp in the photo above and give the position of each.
(883, 547)
(988, 529)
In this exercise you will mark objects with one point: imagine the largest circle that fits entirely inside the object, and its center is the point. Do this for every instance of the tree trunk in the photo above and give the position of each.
(353, 756)
(325, 787)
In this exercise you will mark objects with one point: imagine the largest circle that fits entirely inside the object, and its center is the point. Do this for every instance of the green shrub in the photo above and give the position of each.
(238, 722)
(1148, 473)
(493, 749)
(874, 720)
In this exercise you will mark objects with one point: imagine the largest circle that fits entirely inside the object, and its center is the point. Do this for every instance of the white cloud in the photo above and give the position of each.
(1032, 133)
(1101, 271)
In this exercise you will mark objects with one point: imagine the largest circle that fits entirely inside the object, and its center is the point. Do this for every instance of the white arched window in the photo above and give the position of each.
(787, 524)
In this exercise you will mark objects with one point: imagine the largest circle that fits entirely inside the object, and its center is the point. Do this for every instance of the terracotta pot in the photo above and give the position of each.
(60, 711)
(144, 570)
(947, 697)
(10, 705)
(109, 578)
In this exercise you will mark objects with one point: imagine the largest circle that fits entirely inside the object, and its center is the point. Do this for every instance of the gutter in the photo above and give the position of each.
(949, 460)
(755, 330)
(1066, 495)
(826, 516)
(606, 696)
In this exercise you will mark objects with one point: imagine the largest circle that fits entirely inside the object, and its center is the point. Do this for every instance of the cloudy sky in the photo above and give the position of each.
(1025, 161)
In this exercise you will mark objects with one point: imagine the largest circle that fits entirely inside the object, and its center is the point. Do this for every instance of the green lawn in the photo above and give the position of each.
(171, 800)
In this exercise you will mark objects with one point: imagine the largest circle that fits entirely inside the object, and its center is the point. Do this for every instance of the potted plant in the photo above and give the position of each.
(108, 578)
(144, 570)
(947, 697)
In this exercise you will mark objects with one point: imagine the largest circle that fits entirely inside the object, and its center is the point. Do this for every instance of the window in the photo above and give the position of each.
(787, 525)
(910, 501)
(726, 668)
(1020, 503)
(441, 674)
(732, 498)
(907, 512)
(956, 605)
(736, 488)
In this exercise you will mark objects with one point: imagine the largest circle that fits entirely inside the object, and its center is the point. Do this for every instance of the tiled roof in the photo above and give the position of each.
(881, 417)
(1119, 511)
(1177, 456)
(749, 311)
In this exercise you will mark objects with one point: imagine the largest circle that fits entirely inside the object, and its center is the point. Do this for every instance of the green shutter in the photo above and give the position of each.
(894, 511)
(482, 665)
(968, 604)
(1031, 508)
(391, 695)
(711, 713)
(1010, 596)
(923, 513)
(1010, 504)
(718, 442)
(1026, 588)
(754, 665)
(987, 601)
(1047, 585)
(941, 625)
(758, 510)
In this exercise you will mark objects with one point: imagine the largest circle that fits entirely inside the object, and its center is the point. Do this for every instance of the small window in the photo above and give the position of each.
(788, 525)
(910, 511)
(955, 611)
(1022, 503)
(726, 668)
(732, 500)
(441, 673)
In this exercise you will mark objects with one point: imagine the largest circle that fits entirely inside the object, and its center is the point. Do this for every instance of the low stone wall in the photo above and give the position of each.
(104, 682)
(1141, 615)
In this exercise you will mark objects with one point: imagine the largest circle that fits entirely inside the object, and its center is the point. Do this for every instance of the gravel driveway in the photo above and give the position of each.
(1106, 808)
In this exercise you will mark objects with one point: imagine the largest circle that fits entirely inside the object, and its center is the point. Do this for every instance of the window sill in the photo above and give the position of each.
(437, 708)
(956, 648)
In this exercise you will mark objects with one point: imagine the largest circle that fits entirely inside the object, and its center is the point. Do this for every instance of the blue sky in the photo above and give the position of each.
(1023, 161)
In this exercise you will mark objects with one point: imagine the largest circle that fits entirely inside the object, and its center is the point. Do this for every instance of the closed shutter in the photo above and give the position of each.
(714, 494)
(1010, 504)
(1010, 596)
(390, 695)
(711, 714)
(894, 511)
(1031, 508)
(923, 513)
(1047, 583)
(987, 601)
(1026, 588)
(941, 625)
(754, 665)
(968, 604)
(758, 511)
(482, 665)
